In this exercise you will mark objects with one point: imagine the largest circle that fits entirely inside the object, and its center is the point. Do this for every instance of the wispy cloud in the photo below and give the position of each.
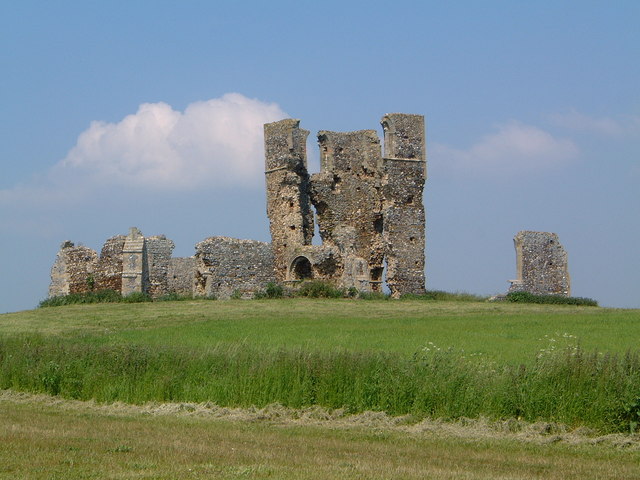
(514, 148)
(607, 126)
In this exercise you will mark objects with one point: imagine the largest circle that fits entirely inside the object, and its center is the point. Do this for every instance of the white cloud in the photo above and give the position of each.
(217, 142)
(573, 120)
(514, 148)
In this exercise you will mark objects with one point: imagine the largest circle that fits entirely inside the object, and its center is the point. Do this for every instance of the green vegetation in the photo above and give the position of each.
(107, 296)
(567, 386)
(526, 297)
(498, 360)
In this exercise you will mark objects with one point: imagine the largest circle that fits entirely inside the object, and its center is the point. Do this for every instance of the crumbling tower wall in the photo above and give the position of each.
(541, 264)
(403, 213)
(288, 207)
(347, 197)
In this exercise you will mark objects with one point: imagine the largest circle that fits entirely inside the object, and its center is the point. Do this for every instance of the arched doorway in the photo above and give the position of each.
(300, 269)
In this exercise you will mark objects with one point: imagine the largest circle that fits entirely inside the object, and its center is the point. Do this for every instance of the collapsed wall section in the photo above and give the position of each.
(229, 266)
(347, 197)
(73, 270)
(541, 264)
(403, 212)
(288, 208)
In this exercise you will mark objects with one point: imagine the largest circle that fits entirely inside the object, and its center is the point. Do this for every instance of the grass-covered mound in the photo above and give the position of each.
(561, 363)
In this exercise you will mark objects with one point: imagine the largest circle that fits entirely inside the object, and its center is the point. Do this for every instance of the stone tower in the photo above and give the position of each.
(368, 205)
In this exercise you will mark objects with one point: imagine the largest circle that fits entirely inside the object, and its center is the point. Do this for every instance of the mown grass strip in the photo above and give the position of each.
(57, 439)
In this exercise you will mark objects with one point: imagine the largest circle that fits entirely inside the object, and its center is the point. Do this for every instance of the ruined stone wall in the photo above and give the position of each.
(541, 264)
(227, 265)
(403, 209)
(108, 273)
(73, 270)
(158, 253)
(347, 197)
(288, 208)
(368, 206)
(180, 275)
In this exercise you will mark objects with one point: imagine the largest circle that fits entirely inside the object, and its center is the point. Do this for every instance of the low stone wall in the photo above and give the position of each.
(159, 250)
(227, 266)
(180, 275)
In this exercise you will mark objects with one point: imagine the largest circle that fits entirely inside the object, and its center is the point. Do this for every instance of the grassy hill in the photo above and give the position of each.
(568, 364)
(303, 377)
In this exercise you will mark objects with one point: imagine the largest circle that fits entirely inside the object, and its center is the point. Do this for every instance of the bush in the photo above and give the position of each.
(319, 289)
(100, 296)
(272, 290)
(526, 297)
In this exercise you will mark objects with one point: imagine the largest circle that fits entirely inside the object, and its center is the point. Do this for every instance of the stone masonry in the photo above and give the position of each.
(541, 264)
(228, 266)
(73, 270)
(368, 207)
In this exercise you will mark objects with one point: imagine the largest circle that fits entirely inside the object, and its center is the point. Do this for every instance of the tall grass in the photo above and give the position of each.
(569, 386)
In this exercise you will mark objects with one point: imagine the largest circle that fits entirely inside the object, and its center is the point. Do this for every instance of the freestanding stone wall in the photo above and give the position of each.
(541, 264)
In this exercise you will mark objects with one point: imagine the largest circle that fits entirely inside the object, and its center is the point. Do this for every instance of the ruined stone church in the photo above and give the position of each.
(368, 208)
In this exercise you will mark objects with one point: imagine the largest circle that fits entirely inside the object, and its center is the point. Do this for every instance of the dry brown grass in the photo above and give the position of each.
(47, 438)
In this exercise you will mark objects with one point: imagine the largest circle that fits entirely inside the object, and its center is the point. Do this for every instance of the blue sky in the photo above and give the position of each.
(150, 114)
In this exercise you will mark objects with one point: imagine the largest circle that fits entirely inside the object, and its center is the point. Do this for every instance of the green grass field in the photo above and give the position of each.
(503, 332)
(419, 360)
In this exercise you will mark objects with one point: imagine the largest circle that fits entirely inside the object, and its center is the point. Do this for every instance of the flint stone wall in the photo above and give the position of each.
(159, 249)
(108, 272)
(541, 264)
(368, 206)
(180, 275)
(226, 265)
(73, 270)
